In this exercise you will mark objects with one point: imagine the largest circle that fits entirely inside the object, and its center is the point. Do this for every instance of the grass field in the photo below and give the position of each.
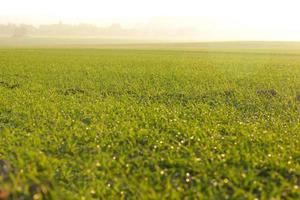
(88, 123)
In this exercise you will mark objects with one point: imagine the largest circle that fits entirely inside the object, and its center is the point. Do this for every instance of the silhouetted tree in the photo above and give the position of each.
(19, 32)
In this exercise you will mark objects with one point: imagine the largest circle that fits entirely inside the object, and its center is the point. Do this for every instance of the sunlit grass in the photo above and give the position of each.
(149, 124)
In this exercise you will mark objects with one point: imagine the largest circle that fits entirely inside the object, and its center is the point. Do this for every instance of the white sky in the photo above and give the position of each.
(225, 19)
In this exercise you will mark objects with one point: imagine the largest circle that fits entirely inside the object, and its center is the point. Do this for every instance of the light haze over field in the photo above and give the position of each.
(211, 20)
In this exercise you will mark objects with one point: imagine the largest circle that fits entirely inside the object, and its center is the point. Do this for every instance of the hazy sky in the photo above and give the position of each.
(219, 19)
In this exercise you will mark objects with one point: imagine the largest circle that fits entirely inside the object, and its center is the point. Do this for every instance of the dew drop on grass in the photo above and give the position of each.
(37, 196)
(93, 192)
(98, 164)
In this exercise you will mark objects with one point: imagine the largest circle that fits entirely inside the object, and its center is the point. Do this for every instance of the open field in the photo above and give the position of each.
(149, 44)
(150, 123)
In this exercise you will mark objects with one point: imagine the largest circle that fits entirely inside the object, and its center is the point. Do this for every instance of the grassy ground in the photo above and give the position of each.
(149, 124)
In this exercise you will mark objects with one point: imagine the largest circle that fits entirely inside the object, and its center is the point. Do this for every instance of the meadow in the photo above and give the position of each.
(117, 123)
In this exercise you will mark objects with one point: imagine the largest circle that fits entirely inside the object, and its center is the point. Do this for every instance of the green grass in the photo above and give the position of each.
(149, 124)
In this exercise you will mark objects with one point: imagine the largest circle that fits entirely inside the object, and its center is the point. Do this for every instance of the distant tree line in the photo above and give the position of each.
(114, 30)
